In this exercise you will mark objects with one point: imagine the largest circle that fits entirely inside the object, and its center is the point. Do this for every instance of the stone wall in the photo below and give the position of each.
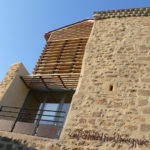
(12, 89)
(113, 96)
(111, 107)
(15, 141)
(8, 78)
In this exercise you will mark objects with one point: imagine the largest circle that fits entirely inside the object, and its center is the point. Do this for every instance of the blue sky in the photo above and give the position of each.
(24, 22)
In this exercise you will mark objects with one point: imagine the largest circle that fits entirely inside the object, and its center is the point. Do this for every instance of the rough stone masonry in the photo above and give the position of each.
(114, 91)
(113, 94)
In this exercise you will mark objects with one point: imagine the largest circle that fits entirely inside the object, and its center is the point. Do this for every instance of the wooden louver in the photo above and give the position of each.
(61, 57)
(60, 62)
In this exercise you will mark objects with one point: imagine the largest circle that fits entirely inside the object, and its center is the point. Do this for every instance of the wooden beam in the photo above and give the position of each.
(62, 81)
(43, 82)
(59, 57)
(24, 82)
(72, 39)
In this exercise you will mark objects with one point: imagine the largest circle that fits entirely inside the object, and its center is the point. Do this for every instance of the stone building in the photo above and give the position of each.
(103, 106)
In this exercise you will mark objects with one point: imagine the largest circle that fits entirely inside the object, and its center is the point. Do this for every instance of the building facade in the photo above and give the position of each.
(95, 76)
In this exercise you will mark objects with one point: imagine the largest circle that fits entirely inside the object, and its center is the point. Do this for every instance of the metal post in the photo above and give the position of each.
(27, 100)
(40, 115)
(60, 109)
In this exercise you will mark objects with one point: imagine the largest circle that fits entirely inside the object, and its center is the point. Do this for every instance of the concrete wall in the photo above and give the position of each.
(12, 89)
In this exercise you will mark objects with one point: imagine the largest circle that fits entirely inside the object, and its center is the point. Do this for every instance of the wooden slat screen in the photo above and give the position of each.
(61, 57)
(59, 65)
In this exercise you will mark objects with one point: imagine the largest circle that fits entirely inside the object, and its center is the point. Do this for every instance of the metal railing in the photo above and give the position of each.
(34, 116)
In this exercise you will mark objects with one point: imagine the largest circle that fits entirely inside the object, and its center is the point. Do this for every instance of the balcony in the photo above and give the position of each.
(36, 122)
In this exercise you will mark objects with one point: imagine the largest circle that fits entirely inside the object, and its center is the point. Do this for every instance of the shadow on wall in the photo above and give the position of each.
(9, 144)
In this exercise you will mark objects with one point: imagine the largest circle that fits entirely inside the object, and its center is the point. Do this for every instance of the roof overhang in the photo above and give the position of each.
(47, 34)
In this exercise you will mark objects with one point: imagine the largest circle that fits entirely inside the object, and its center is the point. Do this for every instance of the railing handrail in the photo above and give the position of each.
(30, 114)
(8, 116)
(34, 114)
(36, 119)
(32, 109)
(43, 120)
(26, 115)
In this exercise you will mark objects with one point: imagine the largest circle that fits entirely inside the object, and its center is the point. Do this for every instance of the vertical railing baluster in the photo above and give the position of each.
(40, 116)
(17, 118)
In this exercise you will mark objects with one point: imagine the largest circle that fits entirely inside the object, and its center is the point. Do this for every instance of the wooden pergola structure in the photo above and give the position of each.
(60, 62)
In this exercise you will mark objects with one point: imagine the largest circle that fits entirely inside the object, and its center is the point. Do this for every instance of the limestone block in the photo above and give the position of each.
(145, 128)
(146, 110)
(101, 101)
(142, 102)
(148, 40)
(144, 58)
(144, 92)
(145, 80)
